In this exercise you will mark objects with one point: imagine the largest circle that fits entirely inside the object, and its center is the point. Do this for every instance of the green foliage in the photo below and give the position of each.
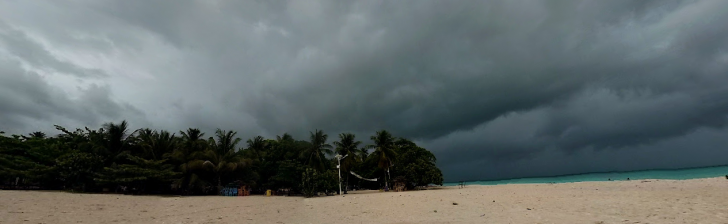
(222, 155)
(347, 145)
(287, 175)
(416, 164)
(316, 153)
(328, 181)
(139, 174)
(309, 182)
(383, 149)
(187, 159)
(77, 169)
(156, 161)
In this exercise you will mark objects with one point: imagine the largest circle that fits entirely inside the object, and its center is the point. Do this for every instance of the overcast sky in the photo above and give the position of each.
(496, 89)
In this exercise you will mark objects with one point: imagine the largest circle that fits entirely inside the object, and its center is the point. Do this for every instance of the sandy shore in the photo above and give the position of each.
(637, 201)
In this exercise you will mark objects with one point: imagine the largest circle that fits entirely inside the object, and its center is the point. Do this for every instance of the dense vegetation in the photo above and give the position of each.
(116, 159)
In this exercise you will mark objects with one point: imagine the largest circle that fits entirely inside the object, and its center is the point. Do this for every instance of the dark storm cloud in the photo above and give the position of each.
(477, 82)
(695, 149)
(442, 68)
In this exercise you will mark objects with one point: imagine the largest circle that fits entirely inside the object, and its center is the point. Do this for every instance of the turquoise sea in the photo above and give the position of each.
(676, 174)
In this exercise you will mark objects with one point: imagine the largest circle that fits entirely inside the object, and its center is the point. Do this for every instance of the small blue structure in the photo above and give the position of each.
(229, 191)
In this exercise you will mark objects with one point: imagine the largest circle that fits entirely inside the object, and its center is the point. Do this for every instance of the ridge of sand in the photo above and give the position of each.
(636, 201)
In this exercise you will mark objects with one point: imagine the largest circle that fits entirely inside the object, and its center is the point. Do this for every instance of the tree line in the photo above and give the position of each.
(114, 158)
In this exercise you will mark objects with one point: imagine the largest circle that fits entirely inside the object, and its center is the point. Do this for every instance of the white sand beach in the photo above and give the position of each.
(636, 201)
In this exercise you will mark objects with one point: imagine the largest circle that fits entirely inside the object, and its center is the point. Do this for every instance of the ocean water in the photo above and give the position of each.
(677, 174)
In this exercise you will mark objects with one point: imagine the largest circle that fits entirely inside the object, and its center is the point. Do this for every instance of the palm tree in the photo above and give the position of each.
(115, 140)
(222, 156)
(192, 141)
(363, 153)
(347, 145)
(383, 151)
(145, 140)
(284, 138)
(315, 155)
(37, 134)
(187, 156)
(256, 148)
(156, 145)
(286, 147)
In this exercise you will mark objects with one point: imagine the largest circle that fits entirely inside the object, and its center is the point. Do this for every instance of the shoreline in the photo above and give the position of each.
(712, 171)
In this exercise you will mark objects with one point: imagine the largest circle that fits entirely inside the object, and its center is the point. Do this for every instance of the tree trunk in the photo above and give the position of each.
(346, 186)
(385, 180)
(219, 181)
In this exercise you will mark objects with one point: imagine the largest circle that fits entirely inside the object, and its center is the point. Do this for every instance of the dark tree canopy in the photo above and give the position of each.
(143, 161)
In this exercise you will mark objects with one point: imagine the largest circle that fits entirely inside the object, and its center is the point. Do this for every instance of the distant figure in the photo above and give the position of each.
(627, 178)
(726, 176)
(610, 179)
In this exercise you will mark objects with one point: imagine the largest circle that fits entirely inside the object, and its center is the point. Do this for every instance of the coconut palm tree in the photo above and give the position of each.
(347, 145)
(116, 141)
(284, 138)
(192, 145)
(363, 152)
(257, 148)
(37, 134)
(156, 145)
(222, 156)
(315, 155)
(384, 151)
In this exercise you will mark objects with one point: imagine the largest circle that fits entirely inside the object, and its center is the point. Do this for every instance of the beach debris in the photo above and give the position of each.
(482, 215)
(454, 203)
(493, 200)
(435, 211)
(528, 209)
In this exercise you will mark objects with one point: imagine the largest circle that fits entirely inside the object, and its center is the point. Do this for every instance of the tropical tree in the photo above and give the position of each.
(37, 134)
(257, 148)
(416, 165)
(157, 161)
(187, 156)
(384, 151)
(222, 156)
(156, 144)
(363, 153)
(349, 147)
(142, 175)
(315, 155)
(285, 147)
(115, 140)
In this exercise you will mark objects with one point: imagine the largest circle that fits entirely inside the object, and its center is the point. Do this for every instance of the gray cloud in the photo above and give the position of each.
(18, 44)
(29, 103)
(478, 82)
